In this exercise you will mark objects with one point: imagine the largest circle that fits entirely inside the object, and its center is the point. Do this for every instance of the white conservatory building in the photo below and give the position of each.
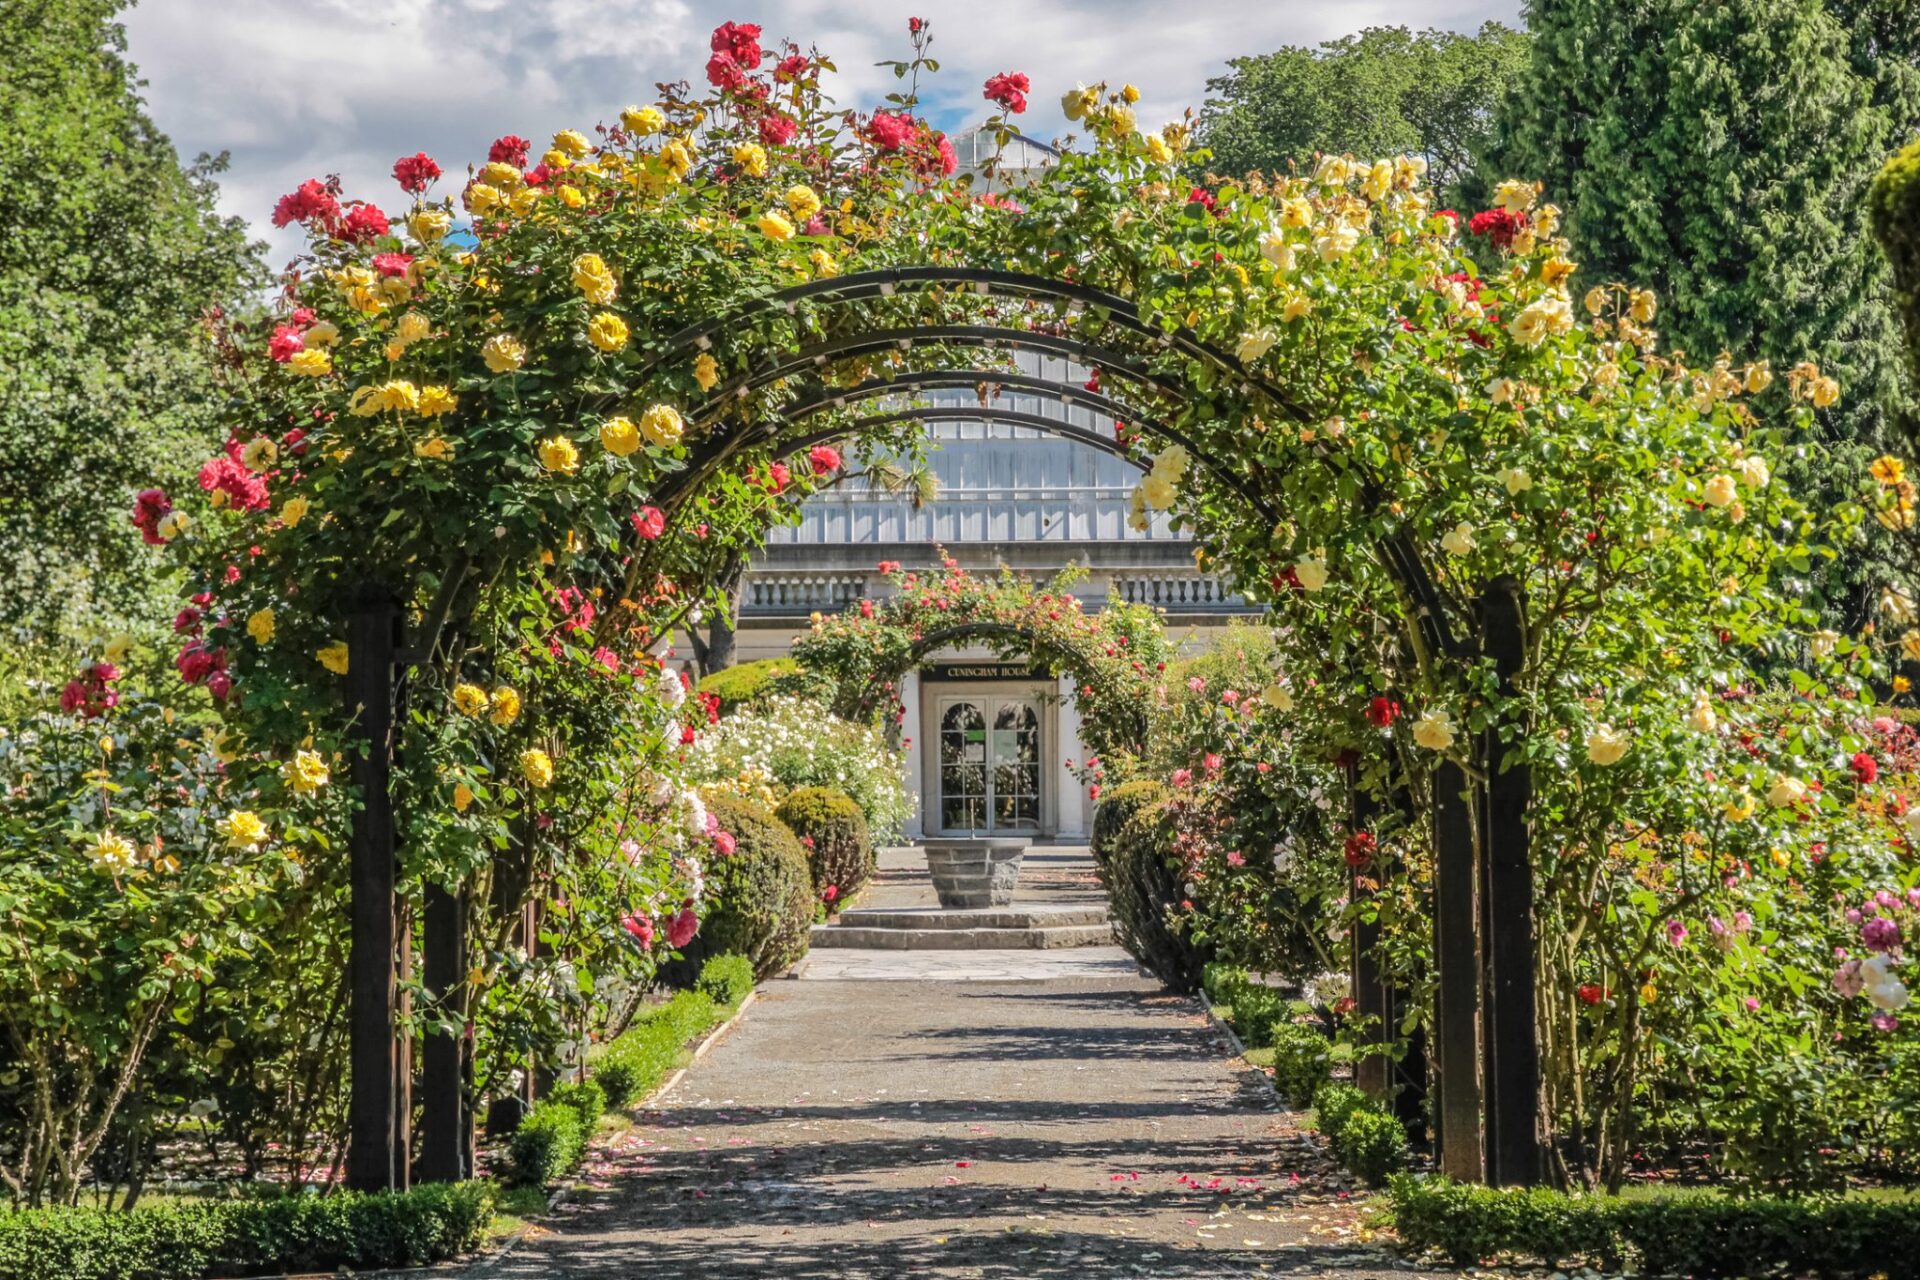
(987, 740)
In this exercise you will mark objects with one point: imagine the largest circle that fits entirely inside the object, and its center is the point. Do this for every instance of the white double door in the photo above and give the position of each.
(989, 763)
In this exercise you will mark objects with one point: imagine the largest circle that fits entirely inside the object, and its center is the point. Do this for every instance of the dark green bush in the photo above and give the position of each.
(548, 1144)
(1699, 1234)
(743, 685)
(586, 1098)
(726, 980)
(1130, 848)
(1372, 1144)
(1302, 1061)
(1256, 1011)
(1334, 1105)
(191, 1240)
(1222, 982)
(840, 854)
(640, 1057)
(762, 895)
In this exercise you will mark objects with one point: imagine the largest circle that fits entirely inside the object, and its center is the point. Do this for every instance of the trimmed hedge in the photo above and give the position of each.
(762, 895)
(1302, 1061)
(1372, 1144)
(1143, 884)
(551, 1139)
(193, 1239)
(726, 980)
(1893, 206)
(1700, 1234)
(641, 1056)
(740, 686)
(841, 853)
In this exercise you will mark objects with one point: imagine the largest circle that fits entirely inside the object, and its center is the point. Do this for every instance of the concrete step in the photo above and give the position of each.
(1017, 916)
(987, 939)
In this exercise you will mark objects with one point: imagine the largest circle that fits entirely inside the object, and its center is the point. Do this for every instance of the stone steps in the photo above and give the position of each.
(983, 929)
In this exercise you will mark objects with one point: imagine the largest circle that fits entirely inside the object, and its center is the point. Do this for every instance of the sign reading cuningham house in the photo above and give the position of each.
(951, 671)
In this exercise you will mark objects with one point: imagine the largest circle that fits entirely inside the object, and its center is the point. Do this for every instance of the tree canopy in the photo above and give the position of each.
(103, 275)
(1384, 91)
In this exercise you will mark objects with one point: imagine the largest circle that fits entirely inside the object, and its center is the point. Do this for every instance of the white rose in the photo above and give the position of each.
(1336, 242)
(1311, 571)
(1753, 470)
(1277, 697)
(672, 692)
(1541, 320)
(1822, 643)
(1254, 344)
(1701, 717)
(1606, 745)
(1171, 464)
(1158, 492)
(1721, 491)
(1275, 249)
(1459, 541)
(1434, 730)
(1786, 790)
(1516, 480)
(1897, 605)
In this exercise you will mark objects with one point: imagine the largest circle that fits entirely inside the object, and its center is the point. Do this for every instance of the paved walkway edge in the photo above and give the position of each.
(490, 1257)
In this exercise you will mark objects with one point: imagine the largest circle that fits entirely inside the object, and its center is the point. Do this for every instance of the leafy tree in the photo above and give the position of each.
(1386, 91)
(1721, 153)
(109, 253)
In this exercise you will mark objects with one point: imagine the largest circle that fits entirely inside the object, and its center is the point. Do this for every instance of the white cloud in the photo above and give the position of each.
(302, 88)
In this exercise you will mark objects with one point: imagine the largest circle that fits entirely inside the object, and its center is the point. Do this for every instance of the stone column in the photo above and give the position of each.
(911, 731)
(1072, 807)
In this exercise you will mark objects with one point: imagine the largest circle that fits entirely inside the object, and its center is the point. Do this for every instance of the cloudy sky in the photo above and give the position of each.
(301, 88)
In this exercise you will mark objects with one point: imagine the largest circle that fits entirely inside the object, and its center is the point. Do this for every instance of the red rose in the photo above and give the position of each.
(1360, 848)
(1009, 89)
(948, 161)
(415, 172)
(649, 522)
(830, 893)
(285, 342)
(1865, 768)
(891, 130)
(509, 149)
(364, 222)
(777, 130)
(1382, 712)
(739, 41)
(1498, 225)
(1591, 993)
(792, 67)
(312, 201)
(825, 459)
(681, 926)
(778, 477)
(916, 25)
(641, 927)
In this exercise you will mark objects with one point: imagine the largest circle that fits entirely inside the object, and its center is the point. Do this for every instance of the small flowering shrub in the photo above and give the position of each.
(834, 833)
(762, 892)
(787, 744)
(1131, 849)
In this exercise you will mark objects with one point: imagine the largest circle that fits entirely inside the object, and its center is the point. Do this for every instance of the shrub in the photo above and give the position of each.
(1694, 1233)
(742, 686)
(762, 895)
(1222, 982)
(1372, 1144)
(785, 742)
(1334, 1105)
(641, 1056)
(1302, 1061)
(1256, 1010)
(548, 1144)
(192, 1239)
(841, 851)
(586, 1098)
(1142, 883)
(726, 980)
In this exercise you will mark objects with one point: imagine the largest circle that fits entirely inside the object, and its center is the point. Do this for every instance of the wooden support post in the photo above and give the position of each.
(376, 1119)
(1509, 1031)
(1374, 1072)
(446, 1122)
(1456, 1046)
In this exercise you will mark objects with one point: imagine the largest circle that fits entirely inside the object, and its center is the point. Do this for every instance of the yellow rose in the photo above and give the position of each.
(1514, 196)
(750, 158)
(1741, 807)
(571, 143)
(429, 225)
(260, 626)
(111, 853)
(483, 198)
(1311, 572)
(506, 705)
(310, 363)
(435, 401)
(1434, 730)
(1158, 492)
(412, 328)
(643, 121)
(333, 657)
(259, 454)
(706, 371)
(619, 436)
(594, 279)
(1278, 697)
(554, 158)
(243, 829)
(469, 699)
(773, 225)
(1902, 685)
(1606, 745)
(824, 264)
(1643, 305)
(1129, 94)
(1824, 391)
(607, 331)
(677, 155)
(504, 353)
(1078, 101)
(462, 797)
(661, 424)
(1649, 993)
(802, 202)
(557, 453)
(1596, 300)
(570, 196)
(117, 647)
(536, 767)
(306, 773)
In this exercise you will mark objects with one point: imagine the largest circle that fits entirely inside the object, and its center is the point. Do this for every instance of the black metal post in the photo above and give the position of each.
(1456, 927)
(376, 1120)
(1509, 1031)
(446, 1122)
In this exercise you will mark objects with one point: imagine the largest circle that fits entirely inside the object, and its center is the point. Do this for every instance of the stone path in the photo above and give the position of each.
(1076, 1126)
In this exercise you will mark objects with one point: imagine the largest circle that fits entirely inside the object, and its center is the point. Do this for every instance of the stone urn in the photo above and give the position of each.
(971, 873)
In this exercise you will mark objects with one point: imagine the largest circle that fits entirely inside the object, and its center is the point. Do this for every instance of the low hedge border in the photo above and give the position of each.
(1701, 1234)
(1368, 1140)
(188, 1240)
(552, 1138)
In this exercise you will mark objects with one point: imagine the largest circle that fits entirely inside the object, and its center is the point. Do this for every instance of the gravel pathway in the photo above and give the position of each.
(1061, 1128)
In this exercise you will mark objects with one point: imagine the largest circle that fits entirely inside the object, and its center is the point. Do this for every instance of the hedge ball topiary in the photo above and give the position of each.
(834, 832)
